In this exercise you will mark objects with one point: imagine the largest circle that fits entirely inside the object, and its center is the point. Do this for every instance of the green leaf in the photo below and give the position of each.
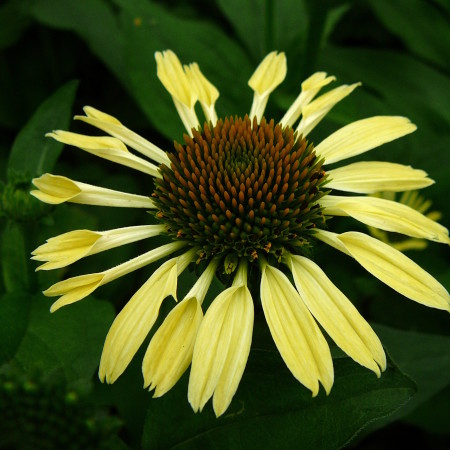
(32, 152)
(12, 24)
(421, 26)
(14, 309)
(93, 21)
(423, 357)
(265, 26)
(14, 258)
(272, 410)
(69, 340)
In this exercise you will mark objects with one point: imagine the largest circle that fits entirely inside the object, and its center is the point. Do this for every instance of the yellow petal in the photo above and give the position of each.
(112, 126)
(267, 76)
(221, 350)
(337, 315)
(108, 148)
(396, 270)
(170, 351)
(363, 135)
(310, 87)
(296, 334)
(74, 289)
(207, 93)
(375, 176)
(174, 79)
(386, 215)
(55, 189)
(315, 111)
(134, 322)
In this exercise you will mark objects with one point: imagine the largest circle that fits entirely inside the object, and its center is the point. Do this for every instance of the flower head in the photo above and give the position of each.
(243, 192)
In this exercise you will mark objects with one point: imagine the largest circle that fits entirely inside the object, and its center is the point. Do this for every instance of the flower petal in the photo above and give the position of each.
(267, 76)
(112, 126)
(337, 315)
(387, 215)
(221, 350)
(170, 351)
(315, 111)
(376, 176)
(207, 93)
(106, 147)
(396, 270)
(65, 249)
(55, 189)
(296, 334)
(134, 322)
(361, 136)
(310, 87)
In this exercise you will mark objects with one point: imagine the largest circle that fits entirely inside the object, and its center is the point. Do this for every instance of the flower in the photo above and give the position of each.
(240, 194)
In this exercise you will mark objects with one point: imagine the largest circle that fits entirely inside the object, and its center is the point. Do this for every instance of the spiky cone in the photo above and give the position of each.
(246, 200)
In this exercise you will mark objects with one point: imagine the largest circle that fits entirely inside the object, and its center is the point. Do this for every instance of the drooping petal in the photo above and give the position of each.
(376, 176)
(55, 189)
(112, 126)
(134, 322)
(77, 288)
(315, 111)
(106, 147)
(363, 135)
(310, 87)
(170, 351)
(221, 350)
(171, 74)
(207, 93)
(396, 270)
(65, 249)
(337, 315)
(386, 215)
(267, 76)
(296, 334)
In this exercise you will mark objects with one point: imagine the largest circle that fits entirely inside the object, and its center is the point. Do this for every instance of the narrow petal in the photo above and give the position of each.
(363, 135)
(112, 126)
(170, 351)
(207, 93)
(396, 270)
(376, 176)
(267, 76)
(315, 111)
(65, 249)
(296, 334)
(337, 315)
(171, 74)
(221, 350)
(74, 289)
(310, 87)
(386, 215)
(331, 239)
(77, 288)
(105, 147)
(55, 189)
(134, 322)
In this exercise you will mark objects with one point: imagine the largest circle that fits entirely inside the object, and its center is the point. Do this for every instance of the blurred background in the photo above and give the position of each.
(57, 56)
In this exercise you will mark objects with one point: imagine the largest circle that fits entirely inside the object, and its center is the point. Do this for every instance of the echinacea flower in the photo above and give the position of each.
(240, 194)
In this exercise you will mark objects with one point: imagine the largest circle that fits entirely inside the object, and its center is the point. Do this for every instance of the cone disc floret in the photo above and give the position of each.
(241, 189)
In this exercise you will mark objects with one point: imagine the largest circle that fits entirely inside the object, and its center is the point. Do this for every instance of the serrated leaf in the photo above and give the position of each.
(14, 309)
(271, 410)
(70, 340)
(32, 152)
